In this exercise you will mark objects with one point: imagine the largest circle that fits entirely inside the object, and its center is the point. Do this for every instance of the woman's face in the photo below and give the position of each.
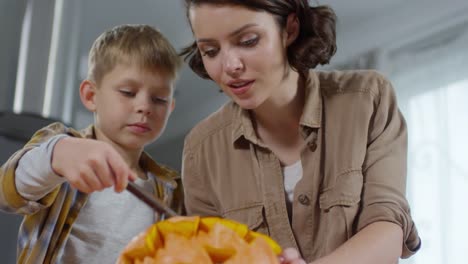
(243, 51)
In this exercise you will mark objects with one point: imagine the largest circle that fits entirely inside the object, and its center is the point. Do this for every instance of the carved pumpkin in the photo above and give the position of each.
(180, 240)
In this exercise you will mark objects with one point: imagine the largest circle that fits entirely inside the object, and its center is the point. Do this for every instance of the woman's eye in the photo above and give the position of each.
(209, 52)
(249, 42)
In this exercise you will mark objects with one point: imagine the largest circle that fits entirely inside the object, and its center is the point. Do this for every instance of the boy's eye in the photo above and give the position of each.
(159, 100)
(127, 93)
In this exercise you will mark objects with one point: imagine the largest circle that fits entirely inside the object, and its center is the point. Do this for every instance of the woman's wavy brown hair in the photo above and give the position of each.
(315, 44)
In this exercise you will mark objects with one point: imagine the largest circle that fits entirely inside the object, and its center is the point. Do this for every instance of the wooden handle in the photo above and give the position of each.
(150, 200)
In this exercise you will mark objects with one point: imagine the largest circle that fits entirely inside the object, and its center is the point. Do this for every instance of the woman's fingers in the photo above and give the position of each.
(291, 256)
(290, 253)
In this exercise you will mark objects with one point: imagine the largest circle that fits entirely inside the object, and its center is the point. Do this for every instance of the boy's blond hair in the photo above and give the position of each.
(140, 44)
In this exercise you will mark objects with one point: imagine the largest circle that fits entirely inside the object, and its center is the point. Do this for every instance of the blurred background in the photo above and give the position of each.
(421, 45)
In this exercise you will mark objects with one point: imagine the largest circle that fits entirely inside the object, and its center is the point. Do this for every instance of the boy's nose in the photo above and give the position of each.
(145, 111)
(143, 106)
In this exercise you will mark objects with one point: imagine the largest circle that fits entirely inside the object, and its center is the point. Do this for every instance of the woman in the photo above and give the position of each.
(316, 160)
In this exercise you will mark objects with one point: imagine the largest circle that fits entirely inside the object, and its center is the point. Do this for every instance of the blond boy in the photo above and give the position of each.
(59, 181)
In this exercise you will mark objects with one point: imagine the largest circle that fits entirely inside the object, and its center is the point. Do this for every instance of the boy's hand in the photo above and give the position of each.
(291, 256)
(90, 165)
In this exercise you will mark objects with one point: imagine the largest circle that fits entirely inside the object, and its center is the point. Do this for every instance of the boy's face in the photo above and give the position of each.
(132, 105)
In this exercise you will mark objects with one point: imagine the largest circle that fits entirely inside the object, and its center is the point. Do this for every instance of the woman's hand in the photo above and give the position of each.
(291, 256)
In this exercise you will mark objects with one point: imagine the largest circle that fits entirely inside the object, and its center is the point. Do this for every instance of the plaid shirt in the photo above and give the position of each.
(48, 221)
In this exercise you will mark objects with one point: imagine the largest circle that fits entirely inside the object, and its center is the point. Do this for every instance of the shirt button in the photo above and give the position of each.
(304, 199)
(313, 146)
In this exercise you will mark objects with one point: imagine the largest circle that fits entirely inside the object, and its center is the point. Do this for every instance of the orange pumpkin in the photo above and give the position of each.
(181, 240)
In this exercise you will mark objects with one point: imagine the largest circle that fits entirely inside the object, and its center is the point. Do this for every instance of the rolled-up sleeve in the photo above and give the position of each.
(385, 171)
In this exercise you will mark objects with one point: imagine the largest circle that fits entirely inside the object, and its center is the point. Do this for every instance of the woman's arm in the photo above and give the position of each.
(379, 242)
(383, 229)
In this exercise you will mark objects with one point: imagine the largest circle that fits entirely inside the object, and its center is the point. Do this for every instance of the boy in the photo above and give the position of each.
(53, 180)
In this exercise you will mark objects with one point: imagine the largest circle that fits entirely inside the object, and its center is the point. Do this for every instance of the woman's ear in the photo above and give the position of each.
(292, 28)
(88, 95)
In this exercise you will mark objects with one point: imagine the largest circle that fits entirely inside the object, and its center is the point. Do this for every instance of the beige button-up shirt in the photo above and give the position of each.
(354, 167)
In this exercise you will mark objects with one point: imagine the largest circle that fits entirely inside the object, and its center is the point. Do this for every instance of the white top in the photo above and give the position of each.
(292, 174)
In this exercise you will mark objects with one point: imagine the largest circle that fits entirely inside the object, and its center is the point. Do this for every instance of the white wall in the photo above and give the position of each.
(403, 24)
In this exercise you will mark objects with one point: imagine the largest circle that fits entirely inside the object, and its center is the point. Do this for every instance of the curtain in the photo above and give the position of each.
(430, 77)
(431, 81)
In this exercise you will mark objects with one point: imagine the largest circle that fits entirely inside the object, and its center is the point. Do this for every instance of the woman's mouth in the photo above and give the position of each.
(240, 87)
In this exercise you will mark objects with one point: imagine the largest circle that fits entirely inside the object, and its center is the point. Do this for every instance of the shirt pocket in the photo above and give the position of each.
(252, 216)
(340, 205)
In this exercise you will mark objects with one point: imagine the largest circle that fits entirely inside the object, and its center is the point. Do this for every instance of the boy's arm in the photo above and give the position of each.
(88, 165)
(34, 176)
(10, 199)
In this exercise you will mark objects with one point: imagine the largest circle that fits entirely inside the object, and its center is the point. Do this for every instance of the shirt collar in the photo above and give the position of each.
(312, 114)
(243, 126)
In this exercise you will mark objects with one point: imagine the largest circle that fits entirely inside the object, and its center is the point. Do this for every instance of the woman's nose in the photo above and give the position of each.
(233, 64)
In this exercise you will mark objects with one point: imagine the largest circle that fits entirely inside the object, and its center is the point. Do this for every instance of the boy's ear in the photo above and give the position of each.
(88, 95)
(172, 104)
(292, 29)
